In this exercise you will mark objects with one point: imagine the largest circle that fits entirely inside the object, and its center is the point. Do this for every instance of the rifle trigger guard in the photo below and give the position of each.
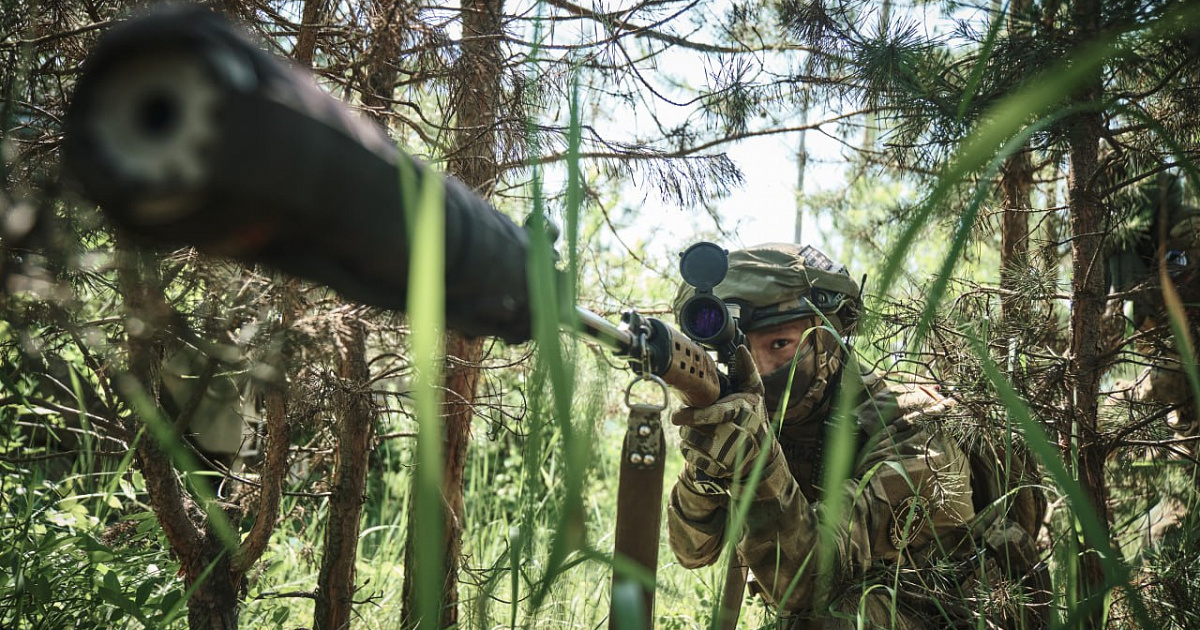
(653, 379)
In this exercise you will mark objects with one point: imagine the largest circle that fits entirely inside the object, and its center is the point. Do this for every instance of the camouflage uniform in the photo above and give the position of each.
(909, 517)
(1162, 234)
(1134, 269)
(223, 422)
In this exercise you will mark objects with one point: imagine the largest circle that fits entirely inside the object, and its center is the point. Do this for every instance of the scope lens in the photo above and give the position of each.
(705, 318)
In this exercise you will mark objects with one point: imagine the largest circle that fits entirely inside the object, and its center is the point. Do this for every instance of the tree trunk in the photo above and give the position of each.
(214, 603)
(477, 96)
(1087, 223)
(334, 594)
(335, 582)
(279, 438)
(379, 62)
(1016, 191)
(801, 169)
(1088, 298)
(306, 41)
(461, 380)
(1016, 186)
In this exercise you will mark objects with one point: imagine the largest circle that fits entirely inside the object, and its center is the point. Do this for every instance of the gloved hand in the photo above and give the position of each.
(722, 441)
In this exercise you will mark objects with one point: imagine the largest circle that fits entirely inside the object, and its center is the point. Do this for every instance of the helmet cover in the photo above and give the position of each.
(776, 283)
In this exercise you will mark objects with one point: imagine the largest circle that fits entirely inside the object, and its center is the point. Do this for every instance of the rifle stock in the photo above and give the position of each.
(653, 346)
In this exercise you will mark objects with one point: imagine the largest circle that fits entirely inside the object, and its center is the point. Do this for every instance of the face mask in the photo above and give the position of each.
(818, 361)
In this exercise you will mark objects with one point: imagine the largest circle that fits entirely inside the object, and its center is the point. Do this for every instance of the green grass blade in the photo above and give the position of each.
(426, 311)
(547, 293)
(1180, 330)
(544, 297)
(574, 191)
(985, 53)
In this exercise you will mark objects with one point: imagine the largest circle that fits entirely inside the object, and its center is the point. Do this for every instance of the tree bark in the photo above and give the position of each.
(474, 162)
(335, 581)
(1087, 224)
(477, 96)
(275, 466)
(214, 603)
(1016, 186)
(477, 102)
(802, 168)
(462, 379)
(306, 42)
(1016, 190)
(279, 438)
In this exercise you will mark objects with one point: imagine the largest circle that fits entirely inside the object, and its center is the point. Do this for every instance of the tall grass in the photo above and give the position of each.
(540, 507)
(426, 310)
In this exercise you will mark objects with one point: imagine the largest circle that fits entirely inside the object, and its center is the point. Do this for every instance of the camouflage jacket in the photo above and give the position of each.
(907, 499)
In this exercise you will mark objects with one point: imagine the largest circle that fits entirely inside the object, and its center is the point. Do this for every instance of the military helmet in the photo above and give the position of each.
(776, 283)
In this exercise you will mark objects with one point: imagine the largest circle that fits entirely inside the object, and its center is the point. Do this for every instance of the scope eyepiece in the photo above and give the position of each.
(706, 319)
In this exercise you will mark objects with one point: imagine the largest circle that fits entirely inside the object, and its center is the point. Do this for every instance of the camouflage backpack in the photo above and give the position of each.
(1006, 490)
(1010, 507)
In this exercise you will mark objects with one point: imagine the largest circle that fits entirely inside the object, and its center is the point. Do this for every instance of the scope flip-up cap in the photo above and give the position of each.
(775, 283)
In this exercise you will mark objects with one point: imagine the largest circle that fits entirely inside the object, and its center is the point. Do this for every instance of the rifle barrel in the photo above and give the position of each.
(613, 337)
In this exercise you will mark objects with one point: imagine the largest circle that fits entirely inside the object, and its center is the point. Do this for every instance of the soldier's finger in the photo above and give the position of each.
(684, 417)
(703, 461)
(747, 370)
(726, 410)
(697, 438)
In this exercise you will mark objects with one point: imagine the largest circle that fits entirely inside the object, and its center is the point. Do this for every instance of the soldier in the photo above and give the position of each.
(222, 417)
(915, 500)
(1158, 237)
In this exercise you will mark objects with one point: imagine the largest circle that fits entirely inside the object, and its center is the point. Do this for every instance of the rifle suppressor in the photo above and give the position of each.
(185, 132)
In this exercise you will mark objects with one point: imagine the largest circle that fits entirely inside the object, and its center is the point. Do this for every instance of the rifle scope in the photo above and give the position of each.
(704, 317)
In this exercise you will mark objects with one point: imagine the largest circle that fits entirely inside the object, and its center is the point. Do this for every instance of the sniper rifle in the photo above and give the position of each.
(186, 133)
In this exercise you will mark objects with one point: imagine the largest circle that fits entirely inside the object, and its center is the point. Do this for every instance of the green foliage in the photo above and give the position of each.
(63, 568)
(1169, 580)
(81, 551)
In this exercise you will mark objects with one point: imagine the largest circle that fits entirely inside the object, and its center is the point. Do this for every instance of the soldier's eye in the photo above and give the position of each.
(780, 344)
(1177, 258)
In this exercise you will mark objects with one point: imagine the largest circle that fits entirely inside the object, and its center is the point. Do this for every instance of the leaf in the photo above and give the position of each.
(170, 602)
(144, 590)
(112, 581)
